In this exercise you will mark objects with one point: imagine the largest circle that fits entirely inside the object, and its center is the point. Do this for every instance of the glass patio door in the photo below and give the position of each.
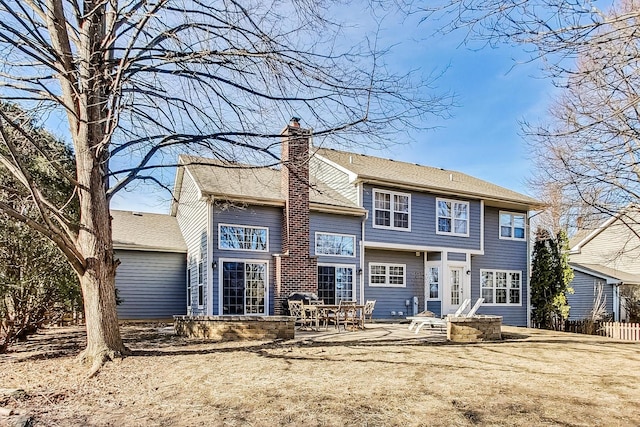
(244, 288)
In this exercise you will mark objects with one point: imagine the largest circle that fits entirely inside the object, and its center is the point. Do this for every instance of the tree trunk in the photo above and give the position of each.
(98, 279)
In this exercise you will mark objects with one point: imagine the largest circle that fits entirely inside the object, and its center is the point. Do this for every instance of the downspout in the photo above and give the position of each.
(210, 256)
(362, 240)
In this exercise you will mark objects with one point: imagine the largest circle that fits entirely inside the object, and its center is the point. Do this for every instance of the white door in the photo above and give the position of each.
(457, 290)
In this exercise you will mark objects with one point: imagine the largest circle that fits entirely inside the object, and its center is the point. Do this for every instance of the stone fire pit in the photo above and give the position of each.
(474, 329)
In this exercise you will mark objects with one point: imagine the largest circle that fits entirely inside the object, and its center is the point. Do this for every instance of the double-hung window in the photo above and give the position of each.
(387, 275)
(243, 238)
(512, 226)
(391, 210)
(452, 217)
(335, 244)
(501, 287)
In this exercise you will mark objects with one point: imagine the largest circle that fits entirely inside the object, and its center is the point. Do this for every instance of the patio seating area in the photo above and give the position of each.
(344, 316)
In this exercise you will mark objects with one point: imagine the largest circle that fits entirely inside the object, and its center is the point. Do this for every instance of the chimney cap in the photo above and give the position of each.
(295, 121)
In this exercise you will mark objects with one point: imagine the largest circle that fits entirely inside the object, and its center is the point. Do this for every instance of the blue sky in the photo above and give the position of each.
(494, 91)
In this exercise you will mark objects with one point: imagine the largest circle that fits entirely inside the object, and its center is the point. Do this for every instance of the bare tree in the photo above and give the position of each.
(138, 81)
(586, 151)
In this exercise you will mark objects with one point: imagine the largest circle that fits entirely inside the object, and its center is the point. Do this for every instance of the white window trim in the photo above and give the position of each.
(438, 265)
(221, 262)
(220, 225)
(315, 244)
(390, 226)
(453, 202)
(512, 214)
(387, 284)
(353, 273)
(494, 271)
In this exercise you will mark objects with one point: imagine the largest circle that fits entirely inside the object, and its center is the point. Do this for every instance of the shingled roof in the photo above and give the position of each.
(413, 176)
(146, 231)
(235, 181)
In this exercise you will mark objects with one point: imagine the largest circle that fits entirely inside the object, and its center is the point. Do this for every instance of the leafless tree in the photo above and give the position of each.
(137, 81)
(586, 152)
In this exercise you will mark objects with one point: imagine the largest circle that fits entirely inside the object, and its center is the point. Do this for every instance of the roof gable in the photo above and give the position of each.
(234, 181)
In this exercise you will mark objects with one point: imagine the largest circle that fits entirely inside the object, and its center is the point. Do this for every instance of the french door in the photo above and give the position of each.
(244, 287)
(335, 283)
(457, 290)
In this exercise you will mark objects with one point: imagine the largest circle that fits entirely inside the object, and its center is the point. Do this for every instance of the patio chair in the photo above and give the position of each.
(462, 308)
(296, 309)
(418, 322)
(475, 308)
(369, 305)
(347, 315)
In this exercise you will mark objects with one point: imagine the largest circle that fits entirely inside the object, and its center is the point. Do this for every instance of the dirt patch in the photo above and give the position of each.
(383, 376)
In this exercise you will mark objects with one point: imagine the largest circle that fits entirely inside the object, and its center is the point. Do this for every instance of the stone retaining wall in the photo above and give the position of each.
(232, 328)
(474, 329)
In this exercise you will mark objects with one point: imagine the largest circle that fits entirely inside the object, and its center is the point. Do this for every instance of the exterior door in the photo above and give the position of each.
(244, 288)
(457, 290)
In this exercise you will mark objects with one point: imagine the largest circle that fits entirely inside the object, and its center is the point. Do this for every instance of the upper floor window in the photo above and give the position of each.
(453, 217)
(335, 244)
(391, 210)
(501, 286)
(388, 275)
(243, 238)
(512, 226)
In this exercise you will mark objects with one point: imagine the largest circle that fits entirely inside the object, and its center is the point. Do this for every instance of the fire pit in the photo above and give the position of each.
(474, 329)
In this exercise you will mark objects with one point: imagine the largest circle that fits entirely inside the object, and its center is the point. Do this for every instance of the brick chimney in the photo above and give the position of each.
(296, 269)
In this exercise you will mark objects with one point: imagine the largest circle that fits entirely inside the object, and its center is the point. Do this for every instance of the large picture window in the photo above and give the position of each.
(391, 210)
(512, 226)
(501, 287)
(243, 238)
(335, 244)
(335, 283)
(452, 217)
(387, 275)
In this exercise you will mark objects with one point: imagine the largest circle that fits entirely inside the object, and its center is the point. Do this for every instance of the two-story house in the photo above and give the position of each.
(348, 226)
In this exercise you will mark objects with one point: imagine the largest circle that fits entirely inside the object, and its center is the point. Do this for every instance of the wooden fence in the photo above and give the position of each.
(615, 330)
(620, 331)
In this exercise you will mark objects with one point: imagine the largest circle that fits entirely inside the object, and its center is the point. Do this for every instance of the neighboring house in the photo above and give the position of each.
(151, 276)
(606, 257)
(348, 226)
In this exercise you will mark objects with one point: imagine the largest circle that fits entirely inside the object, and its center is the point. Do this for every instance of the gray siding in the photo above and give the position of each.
(260, 216)
(339, 224)
(500, 255)
(192, 219)
(435, 307)
(581, 301)
(334, 178)
(453, 256)
(151, 284)
(423, 223)
(390, 299)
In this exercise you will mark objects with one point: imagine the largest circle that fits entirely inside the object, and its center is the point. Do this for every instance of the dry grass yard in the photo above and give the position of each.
(383, 376)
